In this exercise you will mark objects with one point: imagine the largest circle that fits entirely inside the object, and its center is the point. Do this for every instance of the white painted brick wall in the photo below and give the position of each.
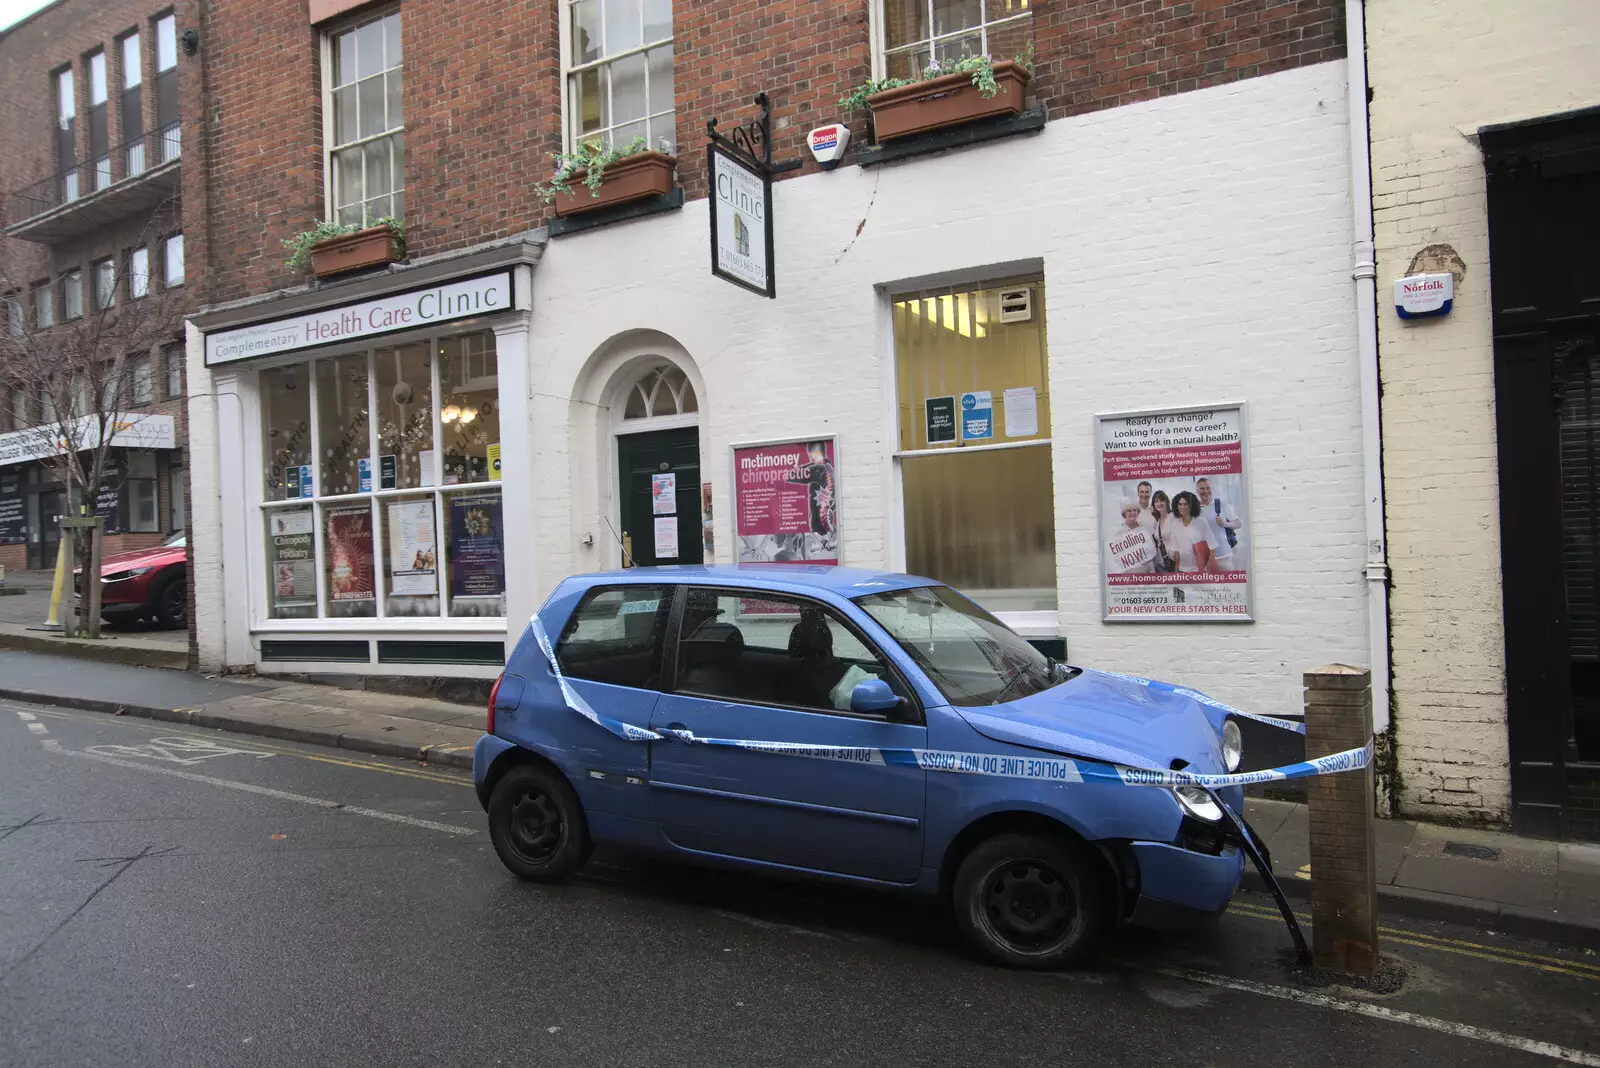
(1196, 251)
(1440, 69)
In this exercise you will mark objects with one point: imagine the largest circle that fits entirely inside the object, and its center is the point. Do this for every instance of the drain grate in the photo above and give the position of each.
(1467, 849)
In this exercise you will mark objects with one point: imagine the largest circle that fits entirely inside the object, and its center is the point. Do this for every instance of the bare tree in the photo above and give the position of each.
(80, 376)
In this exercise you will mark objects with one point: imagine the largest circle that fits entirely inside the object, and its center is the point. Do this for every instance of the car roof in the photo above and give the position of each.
(844, 581)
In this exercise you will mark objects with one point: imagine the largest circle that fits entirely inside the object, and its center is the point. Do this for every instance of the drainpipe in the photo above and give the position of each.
(1364, 273)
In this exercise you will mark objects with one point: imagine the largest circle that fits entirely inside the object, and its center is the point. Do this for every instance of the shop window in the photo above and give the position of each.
(619, 73)
(286, 432)
(919, 33)
(342, 423)
(405, 417)
(469, 385)
(406, 520)
(366, 150)
(177, 517)
(972, 386)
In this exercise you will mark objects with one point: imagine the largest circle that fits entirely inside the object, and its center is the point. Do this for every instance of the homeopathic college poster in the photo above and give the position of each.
(1175, 515)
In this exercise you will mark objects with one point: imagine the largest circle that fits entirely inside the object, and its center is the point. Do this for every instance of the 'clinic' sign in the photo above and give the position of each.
(403, 311)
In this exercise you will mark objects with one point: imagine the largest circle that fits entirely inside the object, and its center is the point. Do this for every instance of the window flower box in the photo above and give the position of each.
(948, 100)
(372, 247)
(633, 177)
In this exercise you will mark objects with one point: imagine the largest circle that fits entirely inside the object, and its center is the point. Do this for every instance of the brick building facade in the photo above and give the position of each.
(1481, 114)
(90, 163)
(1169, 215)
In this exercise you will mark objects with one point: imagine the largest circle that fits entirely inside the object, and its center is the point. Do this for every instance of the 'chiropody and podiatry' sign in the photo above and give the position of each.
(402, 311)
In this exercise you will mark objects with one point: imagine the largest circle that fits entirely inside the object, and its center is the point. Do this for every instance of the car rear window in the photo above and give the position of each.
(615, 635)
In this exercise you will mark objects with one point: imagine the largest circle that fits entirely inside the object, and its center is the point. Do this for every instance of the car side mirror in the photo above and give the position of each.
(873, 696)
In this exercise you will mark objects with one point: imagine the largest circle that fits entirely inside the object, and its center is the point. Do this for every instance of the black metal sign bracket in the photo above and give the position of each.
(751, 142)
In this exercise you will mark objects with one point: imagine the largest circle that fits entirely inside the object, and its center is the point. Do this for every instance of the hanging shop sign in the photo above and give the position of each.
(1174, 515)
(786, 502)
(739, 170)
(403, 311)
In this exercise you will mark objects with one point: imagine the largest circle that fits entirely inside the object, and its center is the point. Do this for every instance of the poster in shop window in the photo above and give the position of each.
(786, 502)
(13, 520)
(350, 555)
(1175, 537)
(477, 546)
(413, 559)
(294, 565)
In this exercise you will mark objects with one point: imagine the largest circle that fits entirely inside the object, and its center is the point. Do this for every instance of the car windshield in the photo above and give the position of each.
(177, 540)
(972, 657)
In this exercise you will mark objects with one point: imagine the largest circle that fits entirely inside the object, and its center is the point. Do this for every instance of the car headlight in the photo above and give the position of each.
(123, 576)
(1197, 803)
(1232, 744)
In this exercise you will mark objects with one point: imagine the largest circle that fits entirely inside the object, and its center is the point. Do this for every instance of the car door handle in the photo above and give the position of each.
(677, 732)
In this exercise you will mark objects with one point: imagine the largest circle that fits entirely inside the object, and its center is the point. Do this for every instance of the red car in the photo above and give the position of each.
(145, 584)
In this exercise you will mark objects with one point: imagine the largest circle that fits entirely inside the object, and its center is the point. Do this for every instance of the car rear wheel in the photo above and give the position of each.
(537, 824)
(1031, 901)
(169, 604)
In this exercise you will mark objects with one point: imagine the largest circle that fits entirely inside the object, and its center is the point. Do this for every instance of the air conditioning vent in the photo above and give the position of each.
(1016, 305)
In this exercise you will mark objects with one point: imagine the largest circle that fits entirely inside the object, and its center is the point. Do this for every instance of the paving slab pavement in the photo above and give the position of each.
(130, 643)
(1498, 881)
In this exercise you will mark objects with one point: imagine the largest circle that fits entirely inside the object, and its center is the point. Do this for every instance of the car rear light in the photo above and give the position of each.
(494, 691)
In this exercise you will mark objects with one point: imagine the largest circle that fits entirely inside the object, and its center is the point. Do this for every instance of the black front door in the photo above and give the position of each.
(1543, 183)
(660, 493)
(52, 504)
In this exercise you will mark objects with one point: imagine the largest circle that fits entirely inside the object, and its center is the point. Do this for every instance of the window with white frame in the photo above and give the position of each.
(105, 283)
(67, 134)
(139, 273)
(16, 316)
(72, 295)
(380, 492)
(366, 128)
(172, 359)
(141, 380)
(99, 121)
(167, 88)
(44, 305)
(618, 64)
(133, 158)
(172, 261)
(977, 489)
(914, 34)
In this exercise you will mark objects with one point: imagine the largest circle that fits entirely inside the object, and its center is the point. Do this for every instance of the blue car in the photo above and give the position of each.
(878, 729)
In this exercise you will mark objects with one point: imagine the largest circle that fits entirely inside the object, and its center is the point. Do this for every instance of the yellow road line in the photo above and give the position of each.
(1401, 936)
(177, 730)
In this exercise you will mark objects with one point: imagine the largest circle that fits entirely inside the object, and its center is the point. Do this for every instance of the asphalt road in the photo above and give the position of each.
(174, 897)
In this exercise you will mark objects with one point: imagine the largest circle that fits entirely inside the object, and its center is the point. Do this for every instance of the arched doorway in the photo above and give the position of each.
(656, 421)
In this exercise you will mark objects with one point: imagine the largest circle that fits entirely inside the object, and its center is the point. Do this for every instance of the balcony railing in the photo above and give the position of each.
(126, 162)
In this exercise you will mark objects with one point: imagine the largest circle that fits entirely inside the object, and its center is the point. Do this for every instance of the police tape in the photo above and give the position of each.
(1048, 769)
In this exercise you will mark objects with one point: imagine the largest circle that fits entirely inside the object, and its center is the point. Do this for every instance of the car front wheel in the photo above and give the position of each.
(1031, 901)
(170, 603)
(537, 824)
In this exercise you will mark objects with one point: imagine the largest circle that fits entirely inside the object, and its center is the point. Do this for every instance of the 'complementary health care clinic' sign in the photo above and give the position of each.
(402, 311)
(741, 224)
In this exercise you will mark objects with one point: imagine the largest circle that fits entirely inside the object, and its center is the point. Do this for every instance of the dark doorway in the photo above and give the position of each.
(52, 504)
(641, 459)
(1543, 181)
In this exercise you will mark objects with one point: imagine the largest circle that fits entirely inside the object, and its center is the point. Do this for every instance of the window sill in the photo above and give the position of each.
(1032, 119)
(637, 209)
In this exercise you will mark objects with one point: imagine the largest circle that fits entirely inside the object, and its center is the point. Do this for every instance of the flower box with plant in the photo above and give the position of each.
(947, 94)
(607, 176)
(334, 248)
